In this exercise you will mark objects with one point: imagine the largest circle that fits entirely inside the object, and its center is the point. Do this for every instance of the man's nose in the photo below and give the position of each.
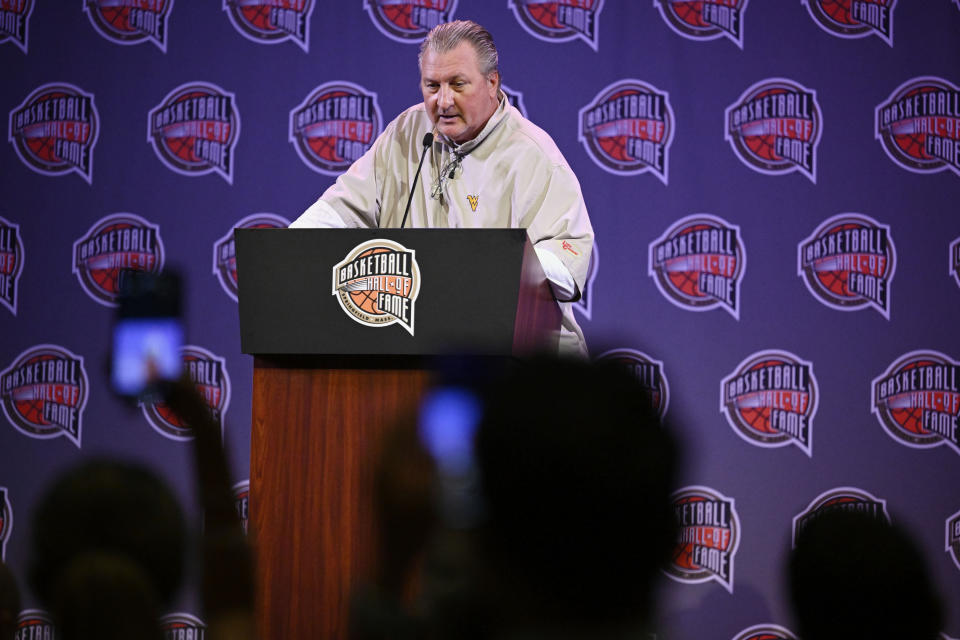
(445, 99)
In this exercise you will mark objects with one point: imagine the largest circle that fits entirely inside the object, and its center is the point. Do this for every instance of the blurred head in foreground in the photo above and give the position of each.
(108, 547)
(577, 474)
(854, 576)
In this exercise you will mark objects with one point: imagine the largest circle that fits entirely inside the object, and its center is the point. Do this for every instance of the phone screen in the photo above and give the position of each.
(145, 350)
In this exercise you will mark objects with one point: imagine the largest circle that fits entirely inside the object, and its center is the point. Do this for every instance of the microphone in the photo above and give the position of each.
(427, 141)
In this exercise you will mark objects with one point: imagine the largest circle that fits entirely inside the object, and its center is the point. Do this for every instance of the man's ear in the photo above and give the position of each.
(493, 83)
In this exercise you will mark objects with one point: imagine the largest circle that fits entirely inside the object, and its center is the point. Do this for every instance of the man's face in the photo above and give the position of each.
(458, 97)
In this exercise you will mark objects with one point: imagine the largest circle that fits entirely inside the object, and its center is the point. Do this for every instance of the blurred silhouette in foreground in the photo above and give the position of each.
(552, 489)
(9, 603)
(854, 576)
(109, 543)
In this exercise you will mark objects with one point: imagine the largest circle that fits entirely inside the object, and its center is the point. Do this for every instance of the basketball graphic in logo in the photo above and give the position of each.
(225, 252)
(698, 264)
(272, 21)
(646, 370)
(335, 125)
(705, 19)
(840, 499)
(918, 125)
(917, 400)
(44, 393)
(770, 400)
(117, 242)
(194, 130)
(709, 537)
(377, 284)
(130, 22)
(14, 22)
(848, 263)
(560, 20)
(12, 256)
(209, 373)
(628, 128)
(6, 522)
(409, 21)
(854, 18)
(765, 632)
(55, 130)
(774, 127)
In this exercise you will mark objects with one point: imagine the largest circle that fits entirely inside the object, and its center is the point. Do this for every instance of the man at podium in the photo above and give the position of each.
(488, 167)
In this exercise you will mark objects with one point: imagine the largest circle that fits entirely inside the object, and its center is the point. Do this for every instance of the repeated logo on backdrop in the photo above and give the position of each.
(11, 263)
(774, 127)
(515, 98)
(709, 537)
(627, 129)
(585, 304)
(919, 125)
(377, 284)
(840, 499)
(765, 632)
(560, 20)
(35, 624)
(917, 400)
(14, 22)
(241, 501)
(225, 251)
(955, 260)
(272, 21)
(183, 626)
(647, 371)
(953, 538)
(130, 22)
(409, 21)
(698, 264)
(55, 129)
(335, 125)
(854, 18)
(848, 263)
(770, 400)
(194, 130)
(209, 373)
(705, 20)
(114, 243)
(6, 522)
(44, 393)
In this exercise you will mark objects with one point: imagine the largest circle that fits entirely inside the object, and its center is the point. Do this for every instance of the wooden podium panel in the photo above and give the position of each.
(311, 516)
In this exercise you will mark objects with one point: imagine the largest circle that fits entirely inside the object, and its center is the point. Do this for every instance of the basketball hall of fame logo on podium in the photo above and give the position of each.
(770, 400)
(627, 129)
(11, 263)
(225, 251)
(919, 125)
(14, 23)
(209, 374)
(377, 284)
(848, 263)
(409, 21)
(705, 20)
(917, 400)
(44, 393)
(195, 129)
(774, 127)
(840, 499)
(854, 18)
(698, 264)
(708, 539)
(560, 20)
(130, 22)
(55, 129)
(272, 22)
(335, 125)
(115, 243)
(765, 632)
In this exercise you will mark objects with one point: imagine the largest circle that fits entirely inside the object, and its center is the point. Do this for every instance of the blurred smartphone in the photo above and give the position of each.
(147, 333)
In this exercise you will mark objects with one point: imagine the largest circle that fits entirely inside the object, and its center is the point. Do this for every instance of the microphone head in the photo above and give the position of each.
(427, 139)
